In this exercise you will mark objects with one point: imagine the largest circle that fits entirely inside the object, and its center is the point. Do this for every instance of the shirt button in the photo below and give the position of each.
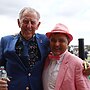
(29, 74)
(27, 88)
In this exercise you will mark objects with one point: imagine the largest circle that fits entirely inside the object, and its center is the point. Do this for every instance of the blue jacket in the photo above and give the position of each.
(20, 76)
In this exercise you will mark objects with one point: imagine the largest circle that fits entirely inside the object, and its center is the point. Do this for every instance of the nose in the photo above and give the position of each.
(57, 43)
(29, 24)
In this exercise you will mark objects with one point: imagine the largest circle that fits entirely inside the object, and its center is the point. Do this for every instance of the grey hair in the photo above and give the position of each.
(30, 10)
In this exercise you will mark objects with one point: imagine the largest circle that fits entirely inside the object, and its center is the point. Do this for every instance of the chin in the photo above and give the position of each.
(58, 52)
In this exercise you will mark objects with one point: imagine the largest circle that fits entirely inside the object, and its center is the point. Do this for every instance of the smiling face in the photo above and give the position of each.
(28, 23)
(58, 43)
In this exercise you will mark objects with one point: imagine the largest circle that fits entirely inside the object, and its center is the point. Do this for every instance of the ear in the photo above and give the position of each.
(38, 25)
(18, 21)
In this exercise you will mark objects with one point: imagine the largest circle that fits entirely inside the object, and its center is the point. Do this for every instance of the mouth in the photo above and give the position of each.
(29, 30)
(57, 49)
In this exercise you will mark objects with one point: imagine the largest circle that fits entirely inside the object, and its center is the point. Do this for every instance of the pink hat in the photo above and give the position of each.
(60, 28)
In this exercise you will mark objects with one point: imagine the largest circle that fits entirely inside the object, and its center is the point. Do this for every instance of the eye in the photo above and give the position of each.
(25, 21)
(62, 40)
(33, 22)
(53, 40)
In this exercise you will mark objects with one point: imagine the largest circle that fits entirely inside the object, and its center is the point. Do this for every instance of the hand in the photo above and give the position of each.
(86, 70)
(3, 84)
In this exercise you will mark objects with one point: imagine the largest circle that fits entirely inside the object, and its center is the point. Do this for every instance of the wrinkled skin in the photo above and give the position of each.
(28, 23)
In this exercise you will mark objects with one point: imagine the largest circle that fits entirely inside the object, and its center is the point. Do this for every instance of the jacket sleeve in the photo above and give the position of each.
(2, 59)
(81, 81)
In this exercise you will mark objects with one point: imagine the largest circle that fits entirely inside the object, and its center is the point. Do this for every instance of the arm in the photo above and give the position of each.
(86, 70)
(2, 59)
(3, 81)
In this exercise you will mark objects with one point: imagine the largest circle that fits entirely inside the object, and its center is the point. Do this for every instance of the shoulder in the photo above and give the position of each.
(74, 57)
(8, 38)
(42, 37)
(75, 60)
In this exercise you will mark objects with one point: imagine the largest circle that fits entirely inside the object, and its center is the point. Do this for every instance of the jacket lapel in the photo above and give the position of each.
(62, 71)
(12, 49)
(41, 43)
(12, 44)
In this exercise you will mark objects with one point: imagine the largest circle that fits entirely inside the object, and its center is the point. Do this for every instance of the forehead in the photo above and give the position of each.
(29, 14)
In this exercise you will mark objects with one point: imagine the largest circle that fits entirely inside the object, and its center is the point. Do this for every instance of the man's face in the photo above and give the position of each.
(28, 23)
(58, 43)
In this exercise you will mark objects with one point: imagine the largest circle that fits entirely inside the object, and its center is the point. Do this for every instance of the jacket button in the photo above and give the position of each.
(29, 74)
(27, 88)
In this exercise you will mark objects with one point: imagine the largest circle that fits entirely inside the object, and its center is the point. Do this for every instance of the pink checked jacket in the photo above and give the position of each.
(70, 76)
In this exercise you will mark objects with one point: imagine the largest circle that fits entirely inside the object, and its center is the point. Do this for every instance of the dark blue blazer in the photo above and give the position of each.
(21, 78)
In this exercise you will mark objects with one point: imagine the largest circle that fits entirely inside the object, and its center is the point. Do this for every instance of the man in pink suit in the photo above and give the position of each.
(63, 70)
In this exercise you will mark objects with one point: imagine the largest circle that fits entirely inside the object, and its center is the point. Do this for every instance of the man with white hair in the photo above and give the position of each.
(24, 54)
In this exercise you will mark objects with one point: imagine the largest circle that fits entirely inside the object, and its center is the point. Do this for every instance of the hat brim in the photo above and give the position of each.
(48, 34)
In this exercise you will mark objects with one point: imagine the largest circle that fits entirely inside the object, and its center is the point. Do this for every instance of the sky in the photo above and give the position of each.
(75, 14)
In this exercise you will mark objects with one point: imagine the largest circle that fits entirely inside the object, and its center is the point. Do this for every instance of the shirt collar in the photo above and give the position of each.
(61, 57)
(24, 41)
